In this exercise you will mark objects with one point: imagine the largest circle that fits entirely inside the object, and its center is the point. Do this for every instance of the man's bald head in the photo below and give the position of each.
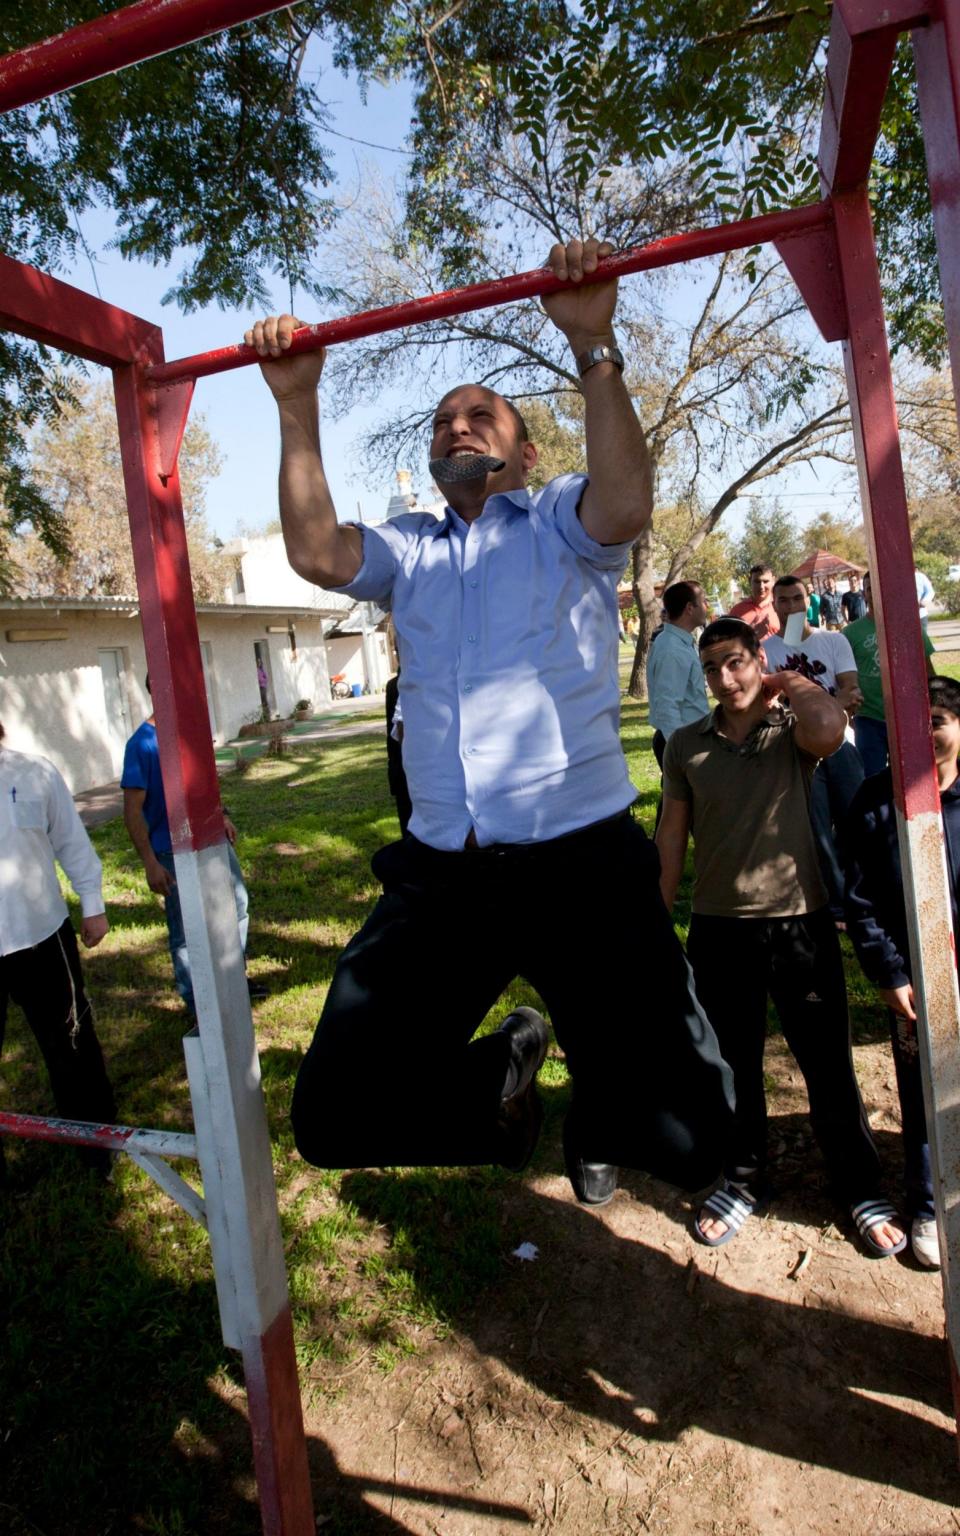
(523, 431)
(480, 445)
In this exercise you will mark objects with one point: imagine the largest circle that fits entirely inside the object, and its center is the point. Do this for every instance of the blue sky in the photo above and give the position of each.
(237, 408)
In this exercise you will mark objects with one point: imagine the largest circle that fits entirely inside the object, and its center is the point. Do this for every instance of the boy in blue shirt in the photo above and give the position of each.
(145, 818)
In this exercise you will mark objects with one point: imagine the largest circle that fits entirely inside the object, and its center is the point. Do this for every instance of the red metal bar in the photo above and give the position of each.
(874, 413)
(504, 290)
(42, 307)
(85, 1133)
(937, 54)
(112, 42)
(863, 37)
(926, 892)
(169, 619)
(233, 1142)
(276, 1423)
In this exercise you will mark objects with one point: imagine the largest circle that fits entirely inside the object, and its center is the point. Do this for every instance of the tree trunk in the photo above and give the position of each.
(648, 610)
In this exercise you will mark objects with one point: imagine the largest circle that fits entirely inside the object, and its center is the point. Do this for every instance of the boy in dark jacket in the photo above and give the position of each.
(877, 925)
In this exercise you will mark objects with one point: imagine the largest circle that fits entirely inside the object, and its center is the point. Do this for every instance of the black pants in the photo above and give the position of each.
(659, 748)
(737, 963)
(393, 1075)
(47, 983)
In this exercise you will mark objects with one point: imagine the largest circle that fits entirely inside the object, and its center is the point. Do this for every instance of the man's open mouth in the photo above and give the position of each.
(462, 464)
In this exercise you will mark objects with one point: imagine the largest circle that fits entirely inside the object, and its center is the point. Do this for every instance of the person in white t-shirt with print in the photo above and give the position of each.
(825, 657)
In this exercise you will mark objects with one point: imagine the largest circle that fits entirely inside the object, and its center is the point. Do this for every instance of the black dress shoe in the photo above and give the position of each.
(593, 1183)
(521, 1112)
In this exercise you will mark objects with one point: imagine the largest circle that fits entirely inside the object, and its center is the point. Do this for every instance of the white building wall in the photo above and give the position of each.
(345, 653)
(51, 691)
(299, 673)
(52, 699)
(269, 580)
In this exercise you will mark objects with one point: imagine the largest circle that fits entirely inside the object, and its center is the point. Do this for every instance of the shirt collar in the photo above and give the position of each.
(711, 722)
(520, 498)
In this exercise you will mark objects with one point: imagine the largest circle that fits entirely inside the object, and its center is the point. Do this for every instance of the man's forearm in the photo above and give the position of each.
(821, 721)
(318, 548)
(139, 834)
(672, 850)
(619, 500)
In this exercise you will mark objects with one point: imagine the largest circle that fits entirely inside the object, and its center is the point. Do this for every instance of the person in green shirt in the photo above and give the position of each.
(813, 608)
(869, 726)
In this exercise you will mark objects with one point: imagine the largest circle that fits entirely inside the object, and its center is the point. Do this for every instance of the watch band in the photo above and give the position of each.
(594, 355)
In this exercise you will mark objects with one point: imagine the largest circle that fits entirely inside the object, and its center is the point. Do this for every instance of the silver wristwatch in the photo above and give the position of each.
(594, 355)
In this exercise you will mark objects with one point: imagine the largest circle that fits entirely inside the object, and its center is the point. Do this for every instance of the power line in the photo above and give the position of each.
(388, 149)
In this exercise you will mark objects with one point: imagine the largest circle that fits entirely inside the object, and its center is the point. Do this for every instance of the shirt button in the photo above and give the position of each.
(474, 583)
(468, 687)
(472, 639)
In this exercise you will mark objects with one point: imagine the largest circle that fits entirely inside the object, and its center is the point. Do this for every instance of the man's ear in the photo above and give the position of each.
(528, 456)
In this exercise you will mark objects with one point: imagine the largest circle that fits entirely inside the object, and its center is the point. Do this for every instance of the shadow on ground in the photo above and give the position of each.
(611, 1328)
(120, 1410)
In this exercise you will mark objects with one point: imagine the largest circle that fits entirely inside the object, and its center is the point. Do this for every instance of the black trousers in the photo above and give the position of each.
(659, 748)
(737, 963)
(47, 983)
(393, 1075)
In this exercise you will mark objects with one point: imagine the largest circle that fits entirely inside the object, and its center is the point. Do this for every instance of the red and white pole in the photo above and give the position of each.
(902, 663)
(936, 49)
(231, 1126)
(862, 42)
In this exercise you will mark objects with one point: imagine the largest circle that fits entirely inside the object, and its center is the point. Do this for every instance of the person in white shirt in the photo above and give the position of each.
(826, 658)
(925, 594)
(39, 960)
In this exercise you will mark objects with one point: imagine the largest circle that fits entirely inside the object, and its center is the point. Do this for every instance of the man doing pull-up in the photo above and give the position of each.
(521, 840)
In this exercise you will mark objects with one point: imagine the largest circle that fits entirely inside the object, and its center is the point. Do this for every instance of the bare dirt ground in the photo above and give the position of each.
(630, 1380)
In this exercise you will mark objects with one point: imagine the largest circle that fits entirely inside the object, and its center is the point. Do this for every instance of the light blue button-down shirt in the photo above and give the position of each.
(507, 633)
(675, 685)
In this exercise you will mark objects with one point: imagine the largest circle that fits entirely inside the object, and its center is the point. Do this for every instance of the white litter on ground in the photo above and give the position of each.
(526, 1251)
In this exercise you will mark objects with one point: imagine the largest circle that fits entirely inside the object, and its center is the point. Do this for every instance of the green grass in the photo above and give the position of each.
(119, 1406)
(947, 664)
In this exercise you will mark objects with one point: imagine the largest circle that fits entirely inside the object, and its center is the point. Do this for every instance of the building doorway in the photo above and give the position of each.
(268, 701)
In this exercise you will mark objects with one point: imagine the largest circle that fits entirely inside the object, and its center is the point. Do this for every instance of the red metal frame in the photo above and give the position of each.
(785, 227)
(108, 43)
(829, 250)
(936, 51)
(45, 309)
